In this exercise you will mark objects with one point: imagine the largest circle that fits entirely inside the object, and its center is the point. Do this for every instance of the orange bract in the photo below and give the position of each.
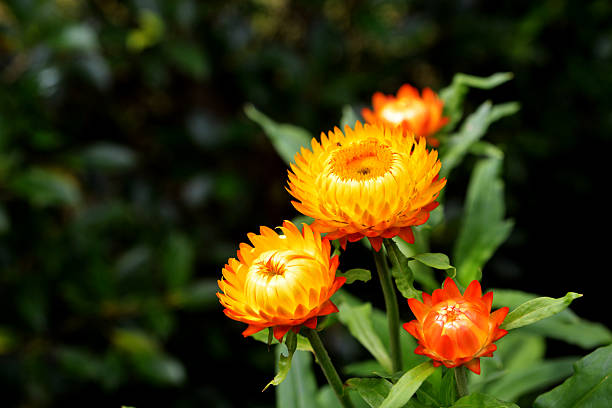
(282, 281)
(421, 115)
(454, 329)
(372, 182)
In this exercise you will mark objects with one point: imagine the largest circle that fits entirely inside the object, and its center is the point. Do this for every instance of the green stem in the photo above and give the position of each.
(392, 309)
(461, 380)
(328, 368)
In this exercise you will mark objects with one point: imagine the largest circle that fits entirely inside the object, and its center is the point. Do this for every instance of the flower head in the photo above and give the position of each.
(421, 115)
(454, 329)
(282, 281)
(372, 182)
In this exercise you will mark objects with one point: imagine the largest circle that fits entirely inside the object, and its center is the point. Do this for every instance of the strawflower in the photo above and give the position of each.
(281, 281)
(455, 329)
(421, 115)
(372, 182)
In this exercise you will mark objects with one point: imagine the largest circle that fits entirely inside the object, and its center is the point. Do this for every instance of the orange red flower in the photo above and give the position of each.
(419, 114)
(281, 281)
(372, 182)
(455, 329)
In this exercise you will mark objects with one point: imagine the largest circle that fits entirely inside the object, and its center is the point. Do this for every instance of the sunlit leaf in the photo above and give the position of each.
(284, 360)
(537, 309)
(407, 385)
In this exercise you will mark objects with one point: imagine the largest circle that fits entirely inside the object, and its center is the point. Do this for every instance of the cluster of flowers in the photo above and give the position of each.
(375, 181)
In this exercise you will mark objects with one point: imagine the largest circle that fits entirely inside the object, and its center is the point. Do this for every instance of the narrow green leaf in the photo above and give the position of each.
(407, 385)
(372, 390)
(454, 94)
(400, 271)
(287, 139)
(589, 386)
(477, 400)
(358, 320)
(284, 360)
(356, 274)
(483, 227)
(300, 387)
(108, 156)
(565, 325)
(537, 309)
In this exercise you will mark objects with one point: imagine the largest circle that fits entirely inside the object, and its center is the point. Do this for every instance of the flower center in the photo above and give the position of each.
(452, 316)
(271, 263)
(362, 160)
(402, 109)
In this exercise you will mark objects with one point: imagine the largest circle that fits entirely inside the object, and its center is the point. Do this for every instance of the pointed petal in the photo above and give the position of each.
(419, 309)
(252, 329)
(280, 331)
(473, 291)
(450, 287)
(376, 243)
(473, 366)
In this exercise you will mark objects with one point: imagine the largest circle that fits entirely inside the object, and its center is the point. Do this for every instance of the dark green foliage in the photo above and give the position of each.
(129, 171)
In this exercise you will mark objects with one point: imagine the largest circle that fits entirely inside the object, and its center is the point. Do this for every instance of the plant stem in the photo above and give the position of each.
(392, 309)
(461, 380)
(328, 368)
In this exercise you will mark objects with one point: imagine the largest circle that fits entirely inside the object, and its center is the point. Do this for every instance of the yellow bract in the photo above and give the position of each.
(282, 281)
(373, 182)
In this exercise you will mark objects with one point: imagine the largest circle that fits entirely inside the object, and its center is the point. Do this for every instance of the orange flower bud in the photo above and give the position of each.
(421, 115)
(282, 281)
(454, 329)
(369, 182)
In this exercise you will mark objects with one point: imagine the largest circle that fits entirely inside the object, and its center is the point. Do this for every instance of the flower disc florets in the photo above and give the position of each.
(421, 115)
(282, 281)
(374, 182)
(455, 329)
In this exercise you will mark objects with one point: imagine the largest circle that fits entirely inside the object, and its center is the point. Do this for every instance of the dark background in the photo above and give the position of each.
(129, 172)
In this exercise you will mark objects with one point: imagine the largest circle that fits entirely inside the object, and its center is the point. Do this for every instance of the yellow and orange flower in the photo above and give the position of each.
(372, 182)
(282, 281)
(455, 329)
(421, 115)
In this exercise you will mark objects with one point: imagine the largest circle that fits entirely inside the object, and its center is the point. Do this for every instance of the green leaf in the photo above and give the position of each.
(454, 94)
(483, 227)
(472, 130)
(349, 117)
(400, 271)
(537, 309)
(589, 386)
(359, 322)
(477, 400)
(356, 274)
(284, 360)
(407, 385)
(302, 342)
(372, 390)
(46, 187)
(287, 139)
(178, 255)
(300, 387)
(434, 260)
(108, 156)
(189, 58)
(536, 376)
(565, 325)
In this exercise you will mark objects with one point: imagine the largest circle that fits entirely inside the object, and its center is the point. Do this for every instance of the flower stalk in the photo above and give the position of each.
(391, 308)
(328, 368)
(461, 381)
